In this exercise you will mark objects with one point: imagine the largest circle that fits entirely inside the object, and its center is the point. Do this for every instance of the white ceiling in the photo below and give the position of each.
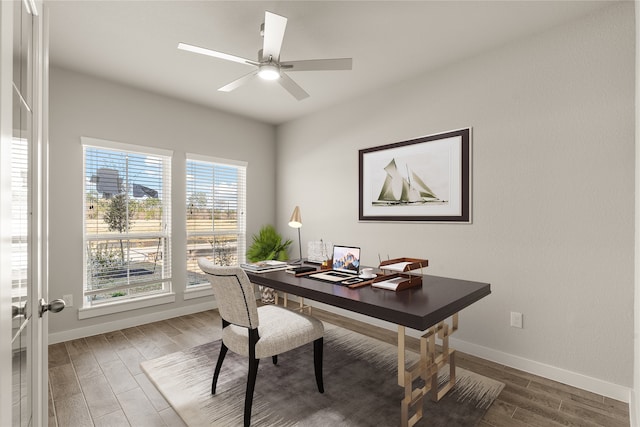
(134, 42)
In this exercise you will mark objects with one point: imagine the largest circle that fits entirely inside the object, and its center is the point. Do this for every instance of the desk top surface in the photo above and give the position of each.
(418, 308)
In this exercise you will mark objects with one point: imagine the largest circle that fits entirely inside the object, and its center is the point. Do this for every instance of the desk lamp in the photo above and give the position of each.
(296, 222)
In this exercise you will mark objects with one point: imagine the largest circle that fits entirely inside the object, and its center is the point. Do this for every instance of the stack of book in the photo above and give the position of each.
(262, 266)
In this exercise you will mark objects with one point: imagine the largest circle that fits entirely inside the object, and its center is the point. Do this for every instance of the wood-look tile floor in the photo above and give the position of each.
(97, 381)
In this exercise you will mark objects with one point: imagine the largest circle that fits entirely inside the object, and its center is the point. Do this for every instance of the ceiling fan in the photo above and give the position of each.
(268, 66)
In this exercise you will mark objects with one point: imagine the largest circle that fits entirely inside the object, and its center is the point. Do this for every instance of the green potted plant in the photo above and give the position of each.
(268, 245)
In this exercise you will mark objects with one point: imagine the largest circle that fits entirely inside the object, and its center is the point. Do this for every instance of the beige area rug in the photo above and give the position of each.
(360, 375)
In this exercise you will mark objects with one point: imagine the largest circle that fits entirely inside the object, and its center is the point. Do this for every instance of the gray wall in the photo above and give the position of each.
(553, 191)
(85, 106)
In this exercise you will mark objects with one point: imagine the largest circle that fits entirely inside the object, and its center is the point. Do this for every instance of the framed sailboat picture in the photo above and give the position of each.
(423, 179)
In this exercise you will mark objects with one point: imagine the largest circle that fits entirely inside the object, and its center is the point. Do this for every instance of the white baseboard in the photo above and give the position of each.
(633, 409)
(129, 322)
(574, 379)
(564, 376)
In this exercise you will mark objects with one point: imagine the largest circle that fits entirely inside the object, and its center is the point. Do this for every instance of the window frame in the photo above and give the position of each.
(200, 289)
(95, 308)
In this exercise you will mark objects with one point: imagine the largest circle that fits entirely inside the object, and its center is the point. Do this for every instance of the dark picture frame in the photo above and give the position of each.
(427, 179)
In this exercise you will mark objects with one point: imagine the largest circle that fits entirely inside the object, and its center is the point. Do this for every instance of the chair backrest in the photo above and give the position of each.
(234, 293)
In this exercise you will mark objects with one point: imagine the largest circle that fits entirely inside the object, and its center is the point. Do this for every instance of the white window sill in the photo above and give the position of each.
(120, 306)
(198, 291)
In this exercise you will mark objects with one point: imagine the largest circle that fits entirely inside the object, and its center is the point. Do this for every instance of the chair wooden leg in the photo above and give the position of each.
(275, 359)
(317, 362)
(223, 352)
(253, 373)
(251, 384)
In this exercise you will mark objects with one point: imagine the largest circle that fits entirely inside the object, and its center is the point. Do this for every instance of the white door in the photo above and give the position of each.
(23, 337)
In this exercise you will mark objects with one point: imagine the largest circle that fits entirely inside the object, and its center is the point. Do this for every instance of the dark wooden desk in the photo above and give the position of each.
(426, 308)
(418, 308)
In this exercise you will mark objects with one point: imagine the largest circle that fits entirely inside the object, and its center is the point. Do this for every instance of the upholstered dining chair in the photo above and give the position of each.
(257, 332)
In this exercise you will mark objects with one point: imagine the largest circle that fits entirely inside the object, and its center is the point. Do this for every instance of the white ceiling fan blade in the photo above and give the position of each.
(239, 82)
(292, 87)
(274, 26)
(215, 54)
(318, 64)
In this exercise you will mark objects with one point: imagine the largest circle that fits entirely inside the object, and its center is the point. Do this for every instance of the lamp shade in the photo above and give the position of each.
(296, 218)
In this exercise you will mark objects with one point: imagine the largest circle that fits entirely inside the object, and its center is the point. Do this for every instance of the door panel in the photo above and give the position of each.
(22, 141)
(24, 250)
(21, 377)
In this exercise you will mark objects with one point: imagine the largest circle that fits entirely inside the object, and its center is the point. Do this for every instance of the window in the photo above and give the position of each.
(127, 221)
(215, 206)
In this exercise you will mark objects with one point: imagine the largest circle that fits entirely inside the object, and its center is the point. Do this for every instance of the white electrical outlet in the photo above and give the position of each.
(68, 300)
(516, 319)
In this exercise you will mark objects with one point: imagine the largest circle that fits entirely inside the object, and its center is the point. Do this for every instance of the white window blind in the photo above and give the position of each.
(216, 199)
(127, 221)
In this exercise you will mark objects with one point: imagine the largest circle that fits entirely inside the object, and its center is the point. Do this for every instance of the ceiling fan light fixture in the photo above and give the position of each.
(269, 72)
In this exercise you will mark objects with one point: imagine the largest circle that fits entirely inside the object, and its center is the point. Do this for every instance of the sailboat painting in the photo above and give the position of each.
(398, 189)
(425, 179)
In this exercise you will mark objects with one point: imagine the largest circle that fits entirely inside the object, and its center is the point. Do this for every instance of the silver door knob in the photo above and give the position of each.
(18, 310)
(54, 306)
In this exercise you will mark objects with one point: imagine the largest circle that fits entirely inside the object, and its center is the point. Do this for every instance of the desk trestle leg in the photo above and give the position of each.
(301, 307)
(431, 361)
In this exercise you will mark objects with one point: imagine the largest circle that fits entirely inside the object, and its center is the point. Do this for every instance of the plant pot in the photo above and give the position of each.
(267, 295)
